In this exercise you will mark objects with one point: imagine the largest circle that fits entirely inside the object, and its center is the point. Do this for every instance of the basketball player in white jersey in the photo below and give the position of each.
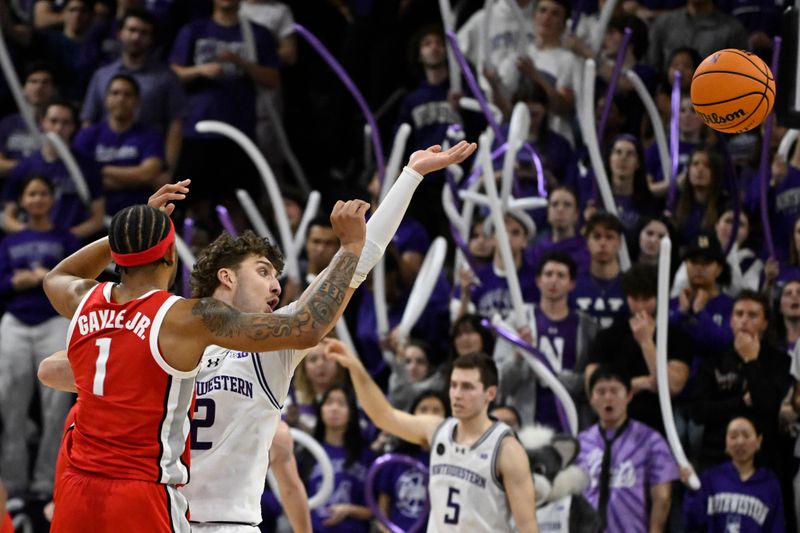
(239, 395)
(479, 476)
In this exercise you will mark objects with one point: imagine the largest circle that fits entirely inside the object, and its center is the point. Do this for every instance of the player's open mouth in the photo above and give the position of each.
(272, 304)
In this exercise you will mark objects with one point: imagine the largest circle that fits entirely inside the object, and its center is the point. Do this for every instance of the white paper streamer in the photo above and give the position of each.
(254, 215)
(452, 65)
(323, 461)
(184, 252)
(507, 256)
(471, 104)
(786, 143)
(589, 130)
(16, 88)
(310, 211)
(284, 230)
(72, 166)
(662, 323)
(655, 118)
(423, 286)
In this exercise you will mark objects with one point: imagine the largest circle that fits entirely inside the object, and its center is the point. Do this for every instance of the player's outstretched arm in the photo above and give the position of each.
(69, 281)
(56, 372)
(293, 493)
(191, 325)
(416, 429)
(514, 469)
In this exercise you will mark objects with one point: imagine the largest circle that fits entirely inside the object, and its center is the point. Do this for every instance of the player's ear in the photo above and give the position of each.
(171, 256)
(226, 277)
(491, 393)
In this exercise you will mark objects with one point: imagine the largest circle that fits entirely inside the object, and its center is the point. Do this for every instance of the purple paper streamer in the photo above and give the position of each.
(516, 340)
(537, 162)
(500, 150)
(225, 220)
(674, 139)
(612, 84)
(473, 86)
(369, 490)
(577, 11)
(377, 146)
(188, 232)
(763, 167)
(451, 182)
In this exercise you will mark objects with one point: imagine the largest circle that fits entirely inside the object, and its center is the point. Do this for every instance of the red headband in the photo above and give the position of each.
(150, 255)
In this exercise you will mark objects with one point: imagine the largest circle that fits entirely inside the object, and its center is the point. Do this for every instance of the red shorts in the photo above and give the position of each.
(91, 504)
(63, 461)
(6, 526)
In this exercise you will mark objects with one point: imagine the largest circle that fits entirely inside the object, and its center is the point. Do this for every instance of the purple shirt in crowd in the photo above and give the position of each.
(601, 298)
(785, 210)
(407, 490)
(725, 503)
(16, 141)
(640, 459)
(574, 246)
(492, 295)
(161, 97)
(709, 329)
(231, 98)
(126, 149)
(652, 159)
(558, 341)
(68, 209)
(428, 112)
(348, 487)
(27, 250)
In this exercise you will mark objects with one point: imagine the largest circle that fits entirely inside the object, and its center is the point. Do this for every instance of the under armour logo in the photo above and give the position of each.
(213, 363)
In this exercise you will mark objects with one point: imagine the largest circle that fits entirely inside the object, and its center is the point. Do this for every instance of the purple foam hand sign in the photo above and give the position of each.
(380, 463)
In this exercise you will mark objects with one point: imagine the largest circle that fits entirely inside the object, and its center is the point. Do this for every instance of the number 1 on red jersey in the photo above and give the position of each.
(100, 365)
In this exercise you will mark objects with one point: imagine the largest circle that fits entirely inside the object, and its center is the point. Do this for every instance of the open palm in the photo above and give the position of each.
(433, 159)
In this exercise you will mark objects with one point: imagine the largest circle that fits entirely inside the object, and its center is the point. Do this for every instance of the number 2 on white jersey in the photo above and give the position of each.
(104, 346)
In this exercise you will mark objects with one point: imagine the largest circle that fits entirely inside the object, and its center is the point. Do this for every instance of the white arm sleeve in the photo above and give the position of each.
(383, 224)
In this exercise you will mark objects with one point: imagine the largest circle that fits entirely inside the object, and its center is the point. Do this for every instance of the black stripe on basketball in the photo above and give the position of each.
(737, 73)
(729, 99)
(746, 56)
(746, 118)
(160, 426)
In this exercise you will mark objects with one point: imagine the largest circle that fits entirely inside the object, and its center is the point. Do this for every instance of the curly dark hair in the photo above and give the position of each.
(229, 252)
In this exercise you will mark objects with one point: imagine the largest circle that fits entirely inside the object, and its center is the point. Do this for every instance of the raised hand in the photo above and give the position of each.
(747, 346)
(433, 159)
(349, 224)
(336, 350)
(643, 327)
(162, 199)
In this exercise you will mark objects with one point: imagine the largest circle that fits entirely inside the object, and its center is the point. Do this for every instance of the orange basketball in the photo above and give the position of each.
(733, 91)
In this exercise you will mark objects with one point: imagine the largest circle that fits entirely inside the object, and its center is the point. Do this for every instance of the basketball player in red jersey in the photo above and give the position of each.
(134, 350)
(6, 526)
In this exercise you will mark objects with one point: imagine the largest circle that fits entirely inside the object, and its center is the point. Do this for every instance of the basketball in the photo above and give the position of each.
(733, 91)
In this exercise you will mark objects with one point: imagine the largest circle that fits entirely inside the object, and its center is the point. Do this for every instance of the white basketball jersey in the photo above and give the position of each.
(239, 400)
(465, 492)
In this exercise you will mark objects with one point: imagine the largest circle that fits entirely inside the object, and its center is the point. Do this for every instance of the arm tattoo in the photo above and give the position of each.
(315, 312)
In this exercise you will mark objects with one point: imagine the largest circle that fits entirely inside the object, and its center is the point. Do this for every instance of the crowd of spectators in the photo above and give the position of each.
(124, 83)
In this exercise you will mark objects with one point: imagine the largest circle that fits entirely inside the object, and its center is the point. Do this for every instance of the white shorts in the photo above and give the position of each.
(208, 527)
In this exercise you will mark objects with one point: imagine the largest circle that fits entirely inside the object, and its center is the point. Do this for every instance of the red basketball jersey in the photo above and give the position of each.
(133, 412)
(6, 525)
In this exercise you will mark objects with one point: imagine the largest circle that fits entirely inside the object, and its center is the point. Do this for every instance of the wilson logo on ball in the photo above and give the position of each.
(713, 118)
